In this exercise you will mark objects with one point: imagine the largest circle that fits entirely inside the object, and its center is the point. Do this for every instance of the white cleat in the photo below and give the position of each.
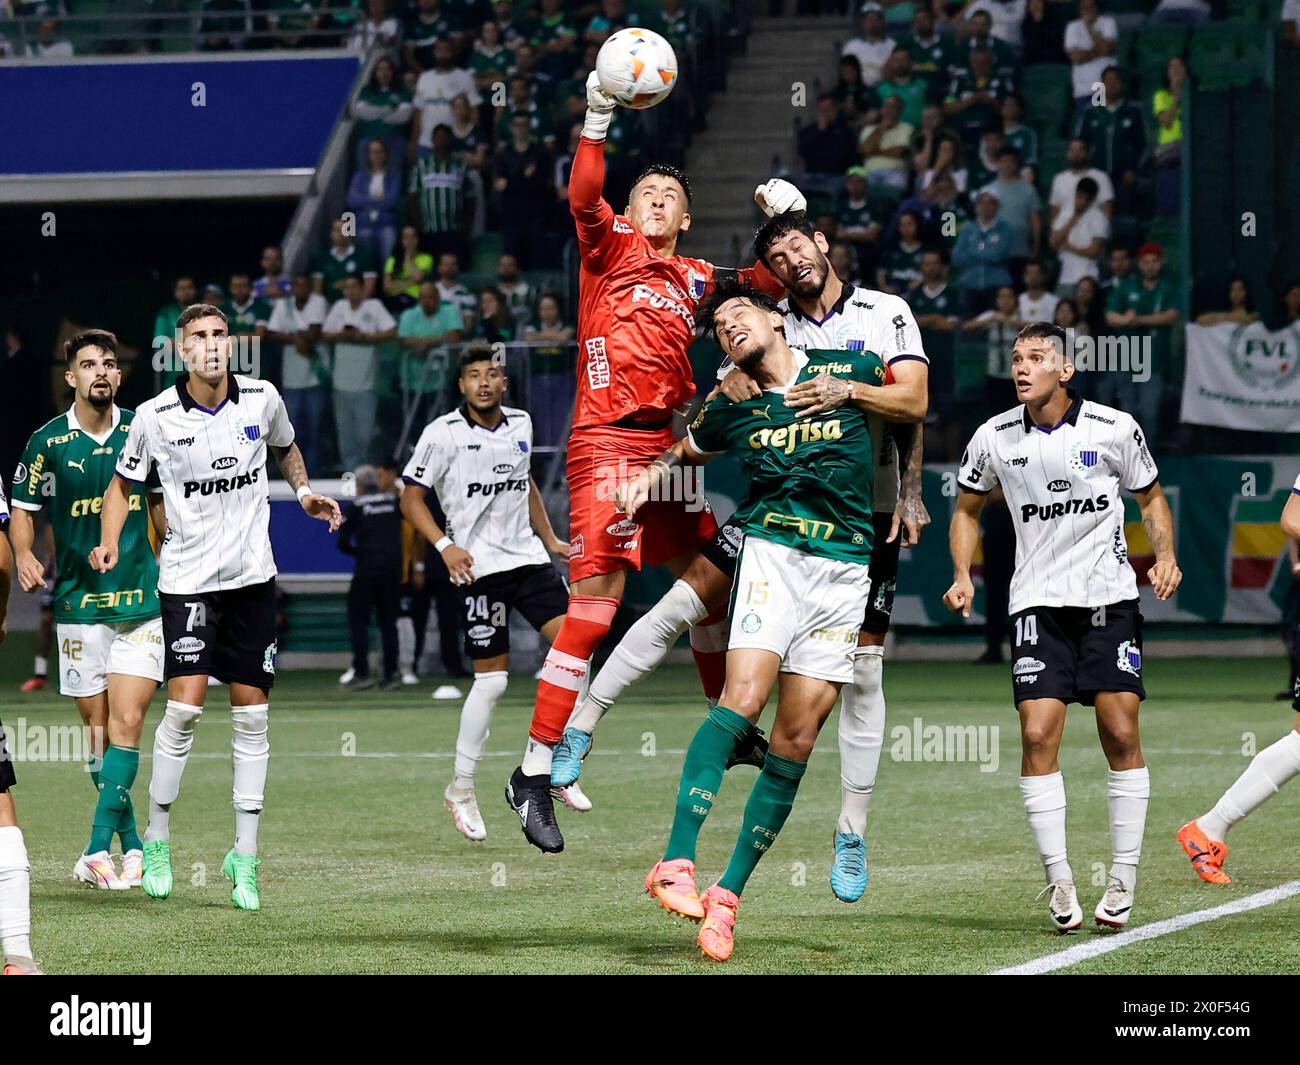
(1067, 915)
(132, 868)
(409, 678)
(1116, 906)
(347, 676)
(97, 870)
(465, 813)
(573, 797)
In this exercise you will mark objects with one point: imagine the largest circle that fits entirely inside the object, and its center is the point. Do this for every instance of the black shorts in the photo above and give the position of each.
(884, 574)
(230, 635)
(1073, 652)
(6, 762)
(537, 592)
(723, 548)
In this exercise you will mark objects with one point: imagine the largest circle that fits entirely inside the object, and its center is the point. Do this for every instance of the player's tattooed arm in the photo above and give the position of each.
(1158, 521)
(646, 484)
(541, 522)
(963, 537)
(910, 512)
(904, 400)
(158, 516)
(6, 569)
(294, 470)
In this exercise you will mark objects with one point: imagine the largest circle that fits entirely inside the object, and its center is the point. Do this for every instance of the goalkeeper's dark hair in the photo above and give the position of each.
(777, 227)
(725, 291)
(89, 338)
(665, 170)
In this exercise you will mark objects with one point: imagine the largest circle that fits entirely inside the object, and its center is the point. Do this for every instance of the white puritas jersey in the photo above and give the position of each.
(1062, 487)
(862, 319)
(481, 478)
(212, 465)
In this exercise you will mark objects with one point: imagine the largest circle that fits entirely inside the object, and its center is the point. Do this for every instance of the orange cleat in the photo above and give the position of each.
(1208, 855)
(33, 684)
(672, 883)
(718, 932)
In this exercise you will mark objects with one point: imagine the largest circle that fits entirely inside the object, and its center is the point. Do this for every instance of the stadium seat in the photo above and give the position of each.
(1046, 91)
(1156, 45)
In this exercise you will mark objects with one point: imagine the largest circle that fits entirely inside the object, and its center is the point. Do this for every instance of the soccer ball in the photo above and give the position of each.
(637, 67)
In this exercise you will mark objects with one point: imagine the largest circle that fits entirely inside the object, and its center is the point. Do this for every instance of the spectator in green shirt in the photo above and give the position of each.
(556, 41)
(247, 315)
(931, 56)
(383, 111)
(342, 258)
(490, 61)
(405, 270)
(164, 327)
(1167, 105)
(423, 332)
(1144, 308)
(495, 323)
(426, 25)
(901, 82)
(613, 15)
(1115, 133)
(1022, 138)
(900, 265)
(854, 222)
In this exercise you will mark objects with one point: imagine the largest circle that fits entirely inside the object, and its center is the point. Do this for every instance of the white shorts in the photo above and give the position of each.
(805, 608)
(89, 653)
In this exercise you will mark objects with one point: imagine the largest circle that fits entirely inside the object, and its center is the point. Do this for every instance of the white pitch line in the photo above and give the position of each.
(1096, 947)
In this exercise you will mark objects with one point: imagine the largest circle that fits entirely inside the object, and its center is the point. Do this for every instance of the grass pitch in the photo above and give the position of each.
(363, 871)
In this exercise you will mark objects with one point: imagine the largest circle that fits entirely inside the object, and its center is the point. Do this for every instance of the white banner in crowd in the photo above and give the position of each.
(1243, 377)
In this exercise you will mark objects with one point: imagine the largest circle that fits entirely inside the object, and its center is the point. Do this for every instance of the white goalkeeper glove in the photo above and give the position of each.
(779, 197)
(600, 109)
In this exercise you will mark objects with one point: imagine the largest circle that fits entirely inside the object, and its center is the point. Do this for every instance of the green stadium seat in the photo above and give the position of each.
(1046, 92)
(1156, 45)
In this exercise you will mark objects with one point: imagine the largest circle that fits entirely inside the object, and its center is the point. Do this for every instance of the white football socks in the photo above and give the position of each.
(537, 759)
(1044, 799)
(15, 895)
(642, 649)
(1263, 778)
(1127, 793)
(251, 747)
(475, 721)
(862, 735)
(171, 749)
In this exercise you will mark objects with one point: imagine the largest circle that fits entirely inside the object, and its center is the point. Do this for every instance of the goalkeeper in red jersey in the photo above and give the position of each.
(636, 318)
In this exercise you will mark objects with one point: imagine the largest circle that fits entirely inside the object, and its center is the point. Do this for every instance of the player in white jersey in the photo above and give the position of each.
(207, 437)
(15, 869)
(822, 312)
(1270, 769)
(497, 545)
(1061, 462)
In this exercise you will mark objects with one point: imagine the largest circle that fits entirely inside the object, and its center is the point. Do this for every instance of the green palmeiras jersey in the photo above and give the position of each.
(64, 471)
(811, 479)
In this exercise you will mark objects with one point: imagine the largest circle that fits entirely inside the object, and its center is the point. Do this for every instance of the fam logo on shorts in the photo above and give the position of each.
(1026, 670)
(268, 657)
(1129, 657)
(1082, 458)
(247, 434)
(751, 623)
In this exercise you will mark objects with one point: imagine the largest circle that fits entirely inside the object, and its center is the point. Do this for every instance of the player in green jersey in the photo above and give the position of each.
(801, 584)
(109, 632)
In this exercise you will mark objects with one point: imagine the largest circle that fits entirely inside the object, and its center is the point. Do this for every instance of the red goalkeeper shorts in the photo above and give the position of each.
(601, 539)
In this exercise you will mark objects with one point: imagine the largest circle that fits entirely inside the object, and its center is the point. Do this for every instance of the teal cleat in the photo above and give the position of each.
(242, 869)
(156, 878)
(566, 758)
(849, 871)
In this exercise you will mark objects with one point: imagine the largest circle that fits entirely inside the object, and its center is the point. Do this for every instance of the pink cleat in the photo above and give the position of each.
(718, 932)
(672, 883)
